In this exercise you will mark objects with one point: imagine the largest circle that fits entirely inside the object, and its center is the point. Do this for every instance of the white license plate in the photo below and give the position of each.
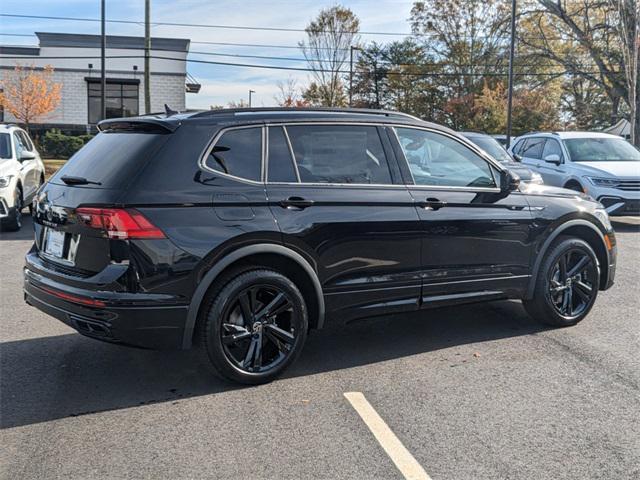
(54, 244)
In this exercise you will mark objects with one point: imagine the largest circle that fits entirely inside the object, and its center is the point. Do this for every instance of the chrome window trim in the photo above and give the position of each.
(478, 151)
(391, 125)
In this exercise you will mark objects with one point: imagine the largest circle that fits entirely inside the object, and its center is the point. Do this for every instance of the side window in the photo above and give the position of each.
(280, 166)
(339, 154)
(238, 153)
(533, 148)
(18, 145)
(26, 142)
(552, 147)
(435, 159)
(518, 147)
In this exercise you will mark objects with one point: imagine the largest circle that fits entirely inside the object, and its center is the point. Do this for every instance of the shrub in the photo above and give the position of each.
(55, 144)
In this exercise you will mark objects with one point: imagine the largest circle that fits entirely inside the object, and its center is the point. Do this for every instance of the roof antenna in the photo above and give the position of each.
(168, 111)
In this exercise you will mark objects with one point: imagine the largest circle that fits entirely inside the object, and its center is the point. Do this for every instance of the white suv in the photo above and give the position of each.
(606, 167)
(21, 174)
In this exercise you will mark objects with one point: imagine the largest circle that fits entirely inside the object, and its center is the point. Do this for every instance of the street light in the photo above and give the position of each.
(351, 49)
(250, 92)
(512, 47)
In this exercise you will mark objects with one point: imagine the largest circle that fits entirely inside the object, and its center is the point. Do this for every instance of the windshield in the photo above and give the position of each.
(492, 147)
(5, 145)
(601, 150)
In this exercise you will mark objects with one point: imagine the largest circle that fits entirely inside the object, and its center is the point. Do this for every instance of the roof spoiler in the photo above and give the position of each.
(142, 125)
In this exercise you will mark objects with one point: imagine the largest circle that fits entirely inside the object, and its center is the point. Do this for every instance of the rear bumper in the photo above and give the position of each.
(141, 320)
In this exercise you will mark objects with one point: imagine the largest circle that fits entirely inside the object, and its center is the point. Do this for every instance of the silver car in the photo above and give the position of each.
(604, 166)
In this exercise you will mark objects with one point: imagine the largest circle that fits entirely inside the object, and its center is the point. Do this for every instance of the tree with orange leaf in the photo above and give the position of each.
(28, 93)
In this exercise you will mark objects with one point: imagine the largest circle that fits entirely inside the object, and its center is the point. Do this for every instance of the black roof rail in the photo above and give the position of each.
(538, 133)
(257, 110)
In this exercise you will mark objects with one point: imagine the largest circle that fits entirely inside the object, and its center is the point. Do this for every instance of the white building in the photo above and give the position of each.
(76, 62)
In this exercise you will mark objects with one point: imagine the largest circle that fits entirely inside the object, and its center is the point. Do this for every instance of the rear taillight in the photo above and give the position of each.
(120, 223)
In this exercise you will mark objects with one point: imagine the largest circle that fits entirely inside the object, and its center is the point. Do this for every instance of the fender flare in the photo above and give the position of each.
(216, 270)
(547, 243)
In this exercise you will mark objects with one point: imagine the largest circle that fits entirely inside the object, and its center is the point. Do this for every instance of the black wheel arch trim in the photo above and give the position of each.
(242, 252)
(547, 243)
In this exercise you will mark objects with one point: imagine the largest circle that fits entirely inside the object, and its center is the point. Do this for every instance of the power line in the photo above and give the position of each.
(306, 69)
(247, 27)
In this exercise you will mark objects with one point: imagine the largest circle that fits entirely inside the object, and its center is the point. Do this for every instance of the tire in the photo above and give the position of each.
(13, 222)
(564, 295)
(245, 342)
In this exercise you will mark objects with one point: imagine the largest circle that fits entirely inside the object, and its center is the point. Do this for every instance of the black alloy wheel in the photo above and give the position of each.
(572, 283)
(566, 285)
(255, 327)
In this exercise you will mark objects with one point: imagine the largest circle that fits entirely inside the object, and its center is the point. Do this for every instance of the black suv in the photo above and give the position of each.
(239, 230)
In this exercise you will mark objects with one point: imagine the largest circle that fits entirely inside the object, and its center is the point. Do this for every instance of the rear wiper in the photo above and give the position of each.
(69, 180)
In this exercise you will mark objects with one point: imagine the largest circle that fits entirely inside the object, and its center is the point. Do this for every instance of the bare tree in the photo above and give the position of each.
(289, 94)
(329, 39)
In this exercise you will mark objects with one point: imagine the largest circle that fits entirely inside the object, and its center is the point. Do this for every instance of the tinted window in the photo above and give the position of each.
(552, 147)
(601, 150)
(121, 100)
(435, 159)
(112, 158)
(5, 145)
(280, 161)
(339, 154)
(518, 147)
(238, 153)
(533, 148)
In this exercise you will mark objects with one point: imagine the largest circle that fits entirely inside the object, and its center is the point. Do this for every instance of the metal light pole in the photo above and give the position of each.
(512, 47)
(250, 92)
(351, 49)
(103, 74)
(147, 56)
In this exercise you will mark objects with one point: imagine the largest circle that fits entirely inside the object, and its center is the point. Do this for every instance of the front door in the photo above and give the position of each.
(475, 238)
(336, 193)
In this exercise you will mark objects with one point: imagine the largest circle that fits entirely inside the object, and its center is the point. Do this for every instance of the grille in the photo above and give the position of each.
(628, 185)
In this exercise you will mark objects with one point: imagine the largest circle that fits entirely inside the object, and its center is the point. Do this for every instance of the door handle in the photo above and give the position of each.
(296, 202)
(434, 204)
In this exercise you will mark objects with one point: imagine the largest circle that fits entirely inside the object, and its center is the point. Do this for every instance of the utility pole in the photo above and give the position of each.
(512, 48)
(147, 56)
(103, 74)
(351, 49)
(250, 92)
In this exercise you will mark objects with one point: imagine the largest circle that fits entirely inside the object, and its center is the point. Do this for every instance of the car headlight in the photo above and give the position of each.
(536, 178)
(5, 181)
(602, 215)
(604, 182)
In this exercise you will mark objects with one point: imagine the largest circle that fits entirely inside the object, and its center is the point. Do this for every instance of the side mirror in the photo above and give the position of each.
(509, 181)
(552, 158)
(517, 158)
(26, 156)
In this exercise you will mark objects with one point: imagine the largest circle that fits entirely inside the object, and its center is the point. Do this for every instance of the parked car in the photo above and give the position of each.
(497, 151)
(502, 139)
(606, 167)
(21, 174)
(238, 231)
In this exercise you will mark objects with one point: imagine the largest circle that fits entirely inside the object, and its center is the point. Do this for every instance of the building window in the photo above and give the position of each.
(121, 99)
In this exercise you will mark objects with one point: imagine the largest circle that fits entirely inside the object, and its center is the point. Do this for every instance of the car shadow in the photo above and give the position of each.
(25, 233)
(625, 226)
(43, 379)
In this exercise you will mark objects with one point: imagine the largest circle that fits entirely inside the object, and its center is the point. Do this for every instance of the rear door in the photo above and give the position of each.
(475, 237)
(553, 173)
(336, 192)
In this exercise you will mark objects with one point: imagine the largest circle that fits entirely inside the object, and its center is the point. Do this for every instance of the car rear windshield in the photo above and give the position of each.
(601, 150)
(112, 159)
(5, 145)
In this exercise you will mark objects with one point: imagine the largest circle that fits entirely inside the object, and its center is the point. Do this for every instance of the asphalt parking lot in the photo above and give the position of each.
(474, 392)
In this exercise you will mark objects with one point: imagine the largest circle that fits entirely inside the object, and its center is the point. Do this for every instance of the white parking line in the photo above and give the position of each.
(405, 462)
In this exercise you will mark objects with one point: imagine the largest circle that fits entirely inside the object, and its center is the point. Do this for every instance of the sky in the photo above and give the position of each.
(220, 84)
